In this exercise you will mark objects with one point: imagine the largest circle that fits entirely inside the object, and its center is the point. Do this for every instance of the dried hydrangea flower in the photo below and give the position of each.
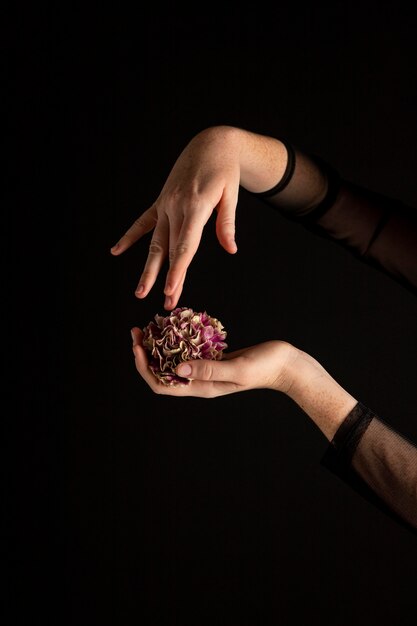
(180, 336)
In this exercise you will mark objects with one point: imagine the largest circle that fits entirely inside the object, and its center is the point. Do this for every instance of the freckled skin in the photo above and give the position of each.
(318, 394)
(275, 365)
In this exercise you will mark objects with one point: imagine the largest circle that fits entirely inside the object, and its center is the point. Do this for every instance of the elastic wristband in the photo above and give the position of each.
(350, 432)
(289, 171)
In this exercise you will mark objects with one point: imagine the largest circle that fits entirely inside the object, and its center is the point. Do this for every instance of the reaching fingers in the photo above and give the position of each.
(185, 248)
(158, 250)
(145, 223)
(172, 300)
(175, 224)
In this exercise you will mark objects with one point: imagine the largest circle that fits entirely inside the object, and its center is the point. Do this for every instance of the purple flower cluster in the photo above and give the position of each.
(180, 336)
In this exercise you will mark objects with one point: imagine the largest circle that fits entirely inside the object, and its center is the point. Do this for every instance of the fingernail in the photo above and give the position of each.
(184, 370)
(140, 289)
(115, 247)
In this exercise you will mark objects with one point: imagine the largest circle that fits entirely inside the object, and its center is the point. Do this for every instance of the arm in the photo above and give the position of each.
(370, 456)
(218, 161)
(379, 230)
(206, 178)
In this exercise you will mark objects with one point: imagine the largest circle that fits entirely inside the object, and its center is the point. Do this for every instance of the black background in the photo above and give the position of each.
(123, 507)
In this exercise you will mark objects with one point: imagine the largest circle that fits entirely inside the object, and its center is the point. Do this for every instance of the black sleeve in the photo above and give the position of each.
(379, 230)
(367, 453)
(377, 462)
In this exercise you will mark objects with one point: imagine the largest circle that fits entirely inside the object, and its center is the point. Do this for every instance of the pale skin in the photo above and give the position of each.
(206, 178)
(275, 365)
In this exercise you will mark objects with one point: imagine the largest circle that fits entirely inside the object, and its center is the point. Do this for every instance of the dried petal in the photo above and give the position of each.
(180, 336)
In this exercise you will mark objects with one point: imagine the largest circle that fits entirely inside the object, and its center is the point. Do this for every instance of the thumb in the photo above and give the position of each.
(225, 222)
(207, 369)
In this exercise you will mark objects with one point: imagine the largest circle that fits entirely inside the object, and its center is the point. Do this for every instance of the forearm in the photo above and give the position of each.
(317, 393)
(366, 453)
(380, 230)
(262, 161)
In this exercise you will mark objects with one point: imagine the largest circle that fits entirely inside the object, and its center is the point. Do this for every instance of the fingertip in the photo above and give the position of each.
(170, 303)
(169, 289)
(135, 334)
(230, 246)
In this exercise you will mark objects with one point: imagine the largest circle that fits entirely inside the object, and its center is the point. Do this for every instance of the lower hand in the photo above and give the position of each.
(263, 366)
(275, 365)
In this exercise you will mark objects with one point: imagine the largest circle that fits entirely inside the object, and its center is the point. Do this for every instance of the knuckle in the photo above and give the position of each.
(171, 254)
(181, 248)
(189, 230)
(140, 223)
(156, 247)
(207, 371)
(228, 224)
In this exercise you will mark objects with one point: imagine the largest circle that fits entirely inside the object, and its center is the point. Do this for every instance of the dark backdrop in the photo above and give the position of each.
(123, 507)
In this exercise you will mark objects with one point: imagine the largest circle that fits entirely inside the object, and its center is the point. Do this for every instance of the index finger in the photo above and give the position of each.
(142, 225)
(187, 245)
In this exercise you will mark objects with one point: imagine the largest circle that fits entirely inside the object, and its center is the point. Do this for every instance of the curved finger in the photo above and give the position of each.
(226, 220)
(142, 362)
(158, 249)
(142, 225)
(139, 352)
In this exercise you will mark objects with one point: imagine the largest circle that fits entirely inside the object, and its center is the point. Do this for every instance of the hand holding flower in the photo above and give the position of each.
(275, 365)
(261, 366)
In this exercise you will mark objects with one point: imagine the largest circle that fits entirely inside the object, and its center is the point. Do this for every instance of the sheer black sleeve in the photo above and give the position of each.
(366, 452)
(378, 462)
(379, 230)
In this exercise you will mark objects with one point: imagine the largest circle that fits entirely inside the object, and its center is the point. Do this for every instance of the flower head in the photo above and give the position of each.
(180, 336)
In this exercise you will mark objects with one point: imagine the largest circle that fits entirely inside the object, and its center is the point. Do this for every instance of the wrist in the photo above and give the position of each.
(262, 161)
(319, 395)
(287, 355)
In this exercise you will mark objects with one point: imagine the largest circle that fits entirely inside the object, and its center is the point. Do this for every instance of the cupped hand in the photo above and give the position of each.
(205, 178)
(263, 366)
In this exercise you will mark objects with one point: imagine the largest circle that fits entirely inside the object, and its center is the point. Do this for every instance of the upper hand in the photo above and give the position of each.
(204, 178)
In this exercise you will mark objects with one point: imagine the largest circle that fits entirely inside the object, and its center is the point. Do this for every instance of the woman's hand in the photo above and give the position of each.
(205, 178)
(275, 365)
(264, 366)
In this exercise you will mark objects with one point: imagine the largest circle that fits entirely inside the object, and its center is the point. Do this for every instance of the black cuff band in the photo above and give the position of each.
(346, 439)
(289, 171)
